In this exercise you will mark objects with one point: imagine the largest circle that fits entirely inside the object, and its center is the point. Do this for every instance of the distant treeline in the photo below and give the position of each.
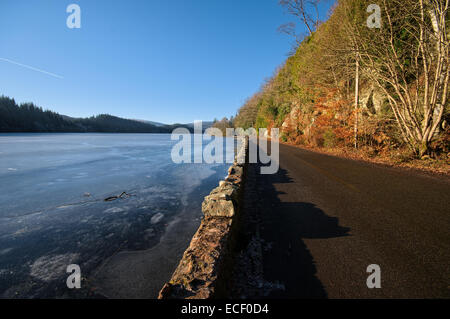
(28, 117)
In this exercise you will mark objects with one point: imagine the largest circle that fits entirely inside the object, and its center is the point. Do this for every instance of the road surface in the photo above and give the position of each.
(322, 220)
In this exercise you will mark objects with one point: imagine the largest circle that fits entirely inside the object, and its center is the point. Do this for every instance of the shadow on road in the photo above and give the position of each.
(288, 268)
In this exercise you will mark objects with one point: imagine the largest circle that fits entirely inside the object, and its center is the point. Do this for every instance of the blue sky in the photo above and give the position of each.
(166, 61)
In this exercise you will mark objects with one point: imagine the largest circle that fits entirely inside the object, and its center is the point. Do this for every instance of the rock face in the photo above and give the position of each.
(301, 119)
(204, 269)
(372, 99)
(292, 120)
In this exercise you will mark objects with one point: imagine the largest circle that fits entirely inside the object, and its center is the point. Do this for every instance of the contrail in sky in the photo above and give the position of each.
(32, 68)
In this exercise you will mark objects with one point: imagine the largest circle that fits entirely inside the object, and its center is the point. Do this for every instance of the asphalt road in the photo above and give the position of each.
(322, 220)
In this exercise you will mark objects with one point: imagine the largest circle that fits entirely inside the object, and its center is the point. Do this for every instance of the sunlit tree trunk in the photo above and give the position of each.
(356, 99)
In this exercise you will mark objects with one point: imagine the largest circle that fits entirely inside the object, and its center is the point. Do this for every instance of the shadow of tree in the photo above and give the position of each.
(281, 227)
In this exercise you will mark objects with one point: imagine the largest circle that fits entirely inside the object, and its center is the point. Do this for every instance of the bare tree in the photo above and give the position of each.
(302, 9)
(409, 60)
(343, 51)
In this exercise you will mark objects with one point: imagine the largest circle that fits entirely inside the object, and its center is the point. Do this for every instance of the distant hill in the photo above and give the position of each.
(27, 117)
(152, 123)
(205, 124)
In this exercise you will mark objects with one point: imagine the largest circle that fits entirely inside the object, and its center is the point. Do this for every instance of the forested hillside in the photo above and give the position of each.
(29, 118)
(382, 90)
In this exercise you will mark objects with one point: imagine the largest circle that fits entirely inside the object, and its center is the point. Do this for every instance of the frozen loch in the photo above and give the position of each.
(53, 213)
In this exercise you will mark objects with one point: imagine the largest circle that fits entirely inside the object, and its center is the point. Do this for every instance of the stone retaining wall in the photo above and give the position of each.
(205, 268)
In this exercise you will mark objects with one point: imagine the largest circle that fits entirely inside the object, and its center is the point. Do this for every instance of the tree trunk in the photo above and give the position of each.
(356, 100)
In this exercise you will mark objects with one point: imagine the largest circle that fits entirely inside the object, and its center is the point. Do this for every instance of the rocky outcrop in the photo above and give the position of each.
(205, 268)
(372, 99)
